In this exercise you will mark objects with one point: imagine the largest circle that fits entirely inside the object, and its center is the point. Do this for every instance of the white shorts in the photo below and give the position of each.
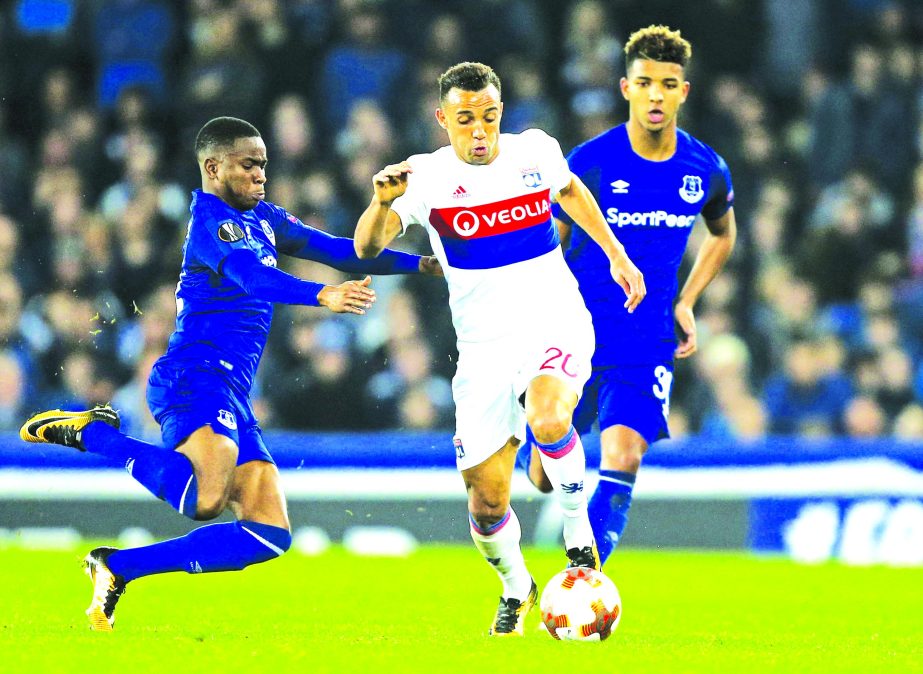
(491, 377)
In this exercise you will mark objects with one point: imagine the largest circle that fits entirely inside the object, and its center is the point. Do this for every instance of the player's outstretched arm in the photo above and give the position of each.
(578, 202)
(339, 252)
(713, 253)
(378, 225)
(274, 285)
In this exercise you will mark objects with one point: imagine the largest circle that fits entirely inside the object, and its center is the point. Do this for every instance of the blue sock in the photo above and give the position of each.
(229, 546)
(608, 509)
(168, 475)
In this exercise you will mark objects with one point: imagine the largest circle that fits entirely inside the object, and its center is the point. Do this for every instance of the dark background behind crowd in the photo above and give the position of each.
(815, 328)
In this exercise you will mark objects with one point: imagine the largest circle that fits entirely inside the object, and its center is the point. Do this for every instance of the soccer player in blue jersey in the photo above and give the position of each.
(213, 456)
(652, 180)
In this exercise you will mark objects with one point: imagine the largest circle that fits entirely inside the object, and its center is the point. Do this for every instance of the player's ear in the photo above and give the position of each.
(686, 86)
(440, 117)
(210, 166)
(623, 86)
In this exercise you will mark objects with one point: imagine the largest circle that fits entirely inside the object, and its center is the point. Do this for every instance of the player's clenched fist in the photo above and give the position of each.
(352, 297)
(391, 182)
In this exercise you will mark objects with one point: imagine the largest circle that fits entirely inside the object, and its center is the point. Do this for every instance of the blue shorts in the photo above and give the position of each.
(183, 397)
(636, 396)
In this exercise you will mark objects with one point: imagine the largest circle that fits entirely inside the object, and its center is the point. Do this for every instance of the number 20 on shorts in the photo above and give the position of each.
(557, 360)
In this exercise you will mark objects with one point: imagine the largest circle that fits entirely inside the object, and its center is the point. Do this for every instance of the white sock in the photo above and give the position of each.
(500, 547)
(565, 465)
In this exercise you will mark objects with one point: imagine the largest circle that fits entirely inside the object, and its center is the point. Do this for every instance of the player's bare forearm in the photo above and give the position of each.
(578, 202)
(376, 228)
(378, 225)
(713, 253)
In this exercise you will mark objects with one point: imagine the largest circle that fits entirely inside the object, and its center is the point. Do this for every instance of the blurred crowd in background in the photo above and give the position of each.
(815, 328)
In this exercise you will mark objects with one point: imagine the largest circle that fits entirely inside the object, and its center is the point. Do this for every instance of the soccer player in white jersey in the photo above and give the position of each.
(522, 328)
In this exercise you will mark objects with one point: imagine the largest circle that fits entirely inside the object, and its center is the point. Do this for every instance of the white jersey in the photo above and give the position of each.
(491, 228)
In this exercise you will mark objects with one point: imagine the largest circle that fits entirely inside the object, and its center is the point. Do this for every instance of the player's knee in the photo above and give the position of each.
(550, 427)
(210, 505)
(487, 511)
(626, 459)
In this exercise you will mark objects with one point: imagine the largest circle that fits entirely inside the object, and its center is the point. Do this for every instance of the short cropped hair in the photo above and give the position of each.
(221, 133)
(657, 43)
(467, 76)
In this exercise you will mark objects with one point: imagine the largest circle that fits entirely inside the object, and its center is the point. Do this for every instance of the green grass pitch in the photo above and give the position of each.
(683, 612)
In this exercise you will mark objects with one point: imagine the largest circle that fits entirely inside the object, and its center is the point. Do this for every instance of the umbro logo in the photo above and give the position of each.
(619, 187)
(460, 193)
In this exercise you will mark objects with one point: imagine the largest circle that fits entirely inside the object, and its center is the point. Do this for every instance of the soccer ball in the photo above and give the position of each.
(581, 604)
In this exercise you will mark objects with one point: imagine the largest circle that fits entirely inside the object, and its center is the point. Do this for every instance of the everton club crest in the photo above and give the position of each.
(691, 191)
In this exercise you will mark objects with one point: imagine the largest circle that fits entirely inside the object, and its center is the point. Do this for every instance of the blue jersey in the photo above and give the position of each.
(217, 322)
(651, 207)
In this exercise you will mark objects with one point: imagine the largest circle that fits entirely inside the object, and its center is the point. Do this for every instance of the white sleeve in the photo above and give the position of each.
(410, 206)
(554, 165)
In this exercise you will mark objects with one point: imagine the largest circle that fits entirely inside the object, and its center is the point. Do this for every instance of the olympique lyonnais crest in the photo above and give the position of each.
(691, 191)
(531, 177)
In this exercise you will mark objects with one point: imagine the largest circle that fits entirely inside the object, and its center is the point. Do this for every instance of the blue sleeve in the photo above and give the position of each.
(721, 192)
(212, 238)
(297, 239)
(244, 268)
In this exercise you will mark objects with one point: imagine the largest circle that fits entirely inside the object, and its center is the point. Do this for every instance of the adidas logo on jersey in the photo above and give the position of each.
(620, 187)
(460, 193)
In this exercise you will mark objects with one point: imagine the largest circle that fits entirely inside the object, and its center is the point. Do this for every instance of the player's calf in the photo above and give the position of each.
(228, 546)
(527, 458)
(564, 462)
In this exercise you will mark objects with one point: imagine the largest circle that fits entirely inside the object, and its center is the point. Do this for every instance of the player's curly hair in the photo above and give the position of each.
(467, 76)
(222, 133)
(658, 43)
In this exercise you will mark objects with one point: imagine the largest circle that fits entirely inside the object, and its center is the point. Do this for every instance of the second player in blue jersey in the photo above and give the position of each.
(213, 456)
(652, 181)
